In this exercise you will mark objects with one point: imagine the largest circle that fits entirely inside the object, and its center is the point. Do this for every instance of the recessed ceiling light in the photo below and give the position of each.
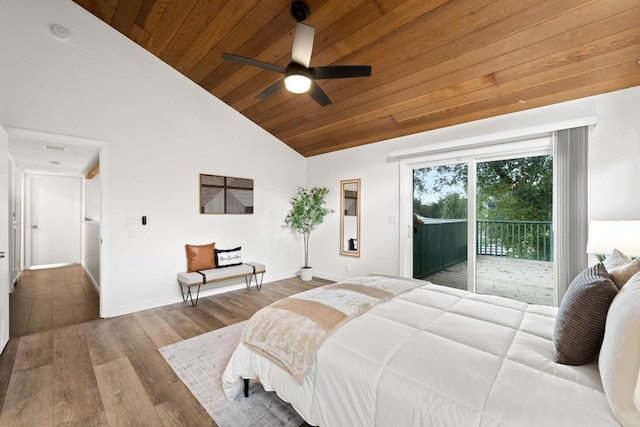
(55, 148)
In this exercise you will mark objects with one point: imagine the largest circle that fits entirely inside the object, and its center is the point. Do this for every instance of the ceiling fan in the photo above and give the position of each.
(299, 77)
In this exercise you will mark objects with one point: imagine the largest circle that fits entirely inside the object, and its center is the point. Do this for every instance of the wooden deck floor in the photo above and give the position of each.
(519, 279)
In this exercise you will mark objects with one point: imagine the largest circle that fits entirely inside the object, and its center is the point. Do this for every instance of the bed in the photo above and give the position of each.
(432, 355)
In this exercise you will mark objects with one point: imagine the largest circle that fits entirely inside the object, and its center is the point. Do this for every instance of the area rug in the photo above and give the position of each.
(200, 362)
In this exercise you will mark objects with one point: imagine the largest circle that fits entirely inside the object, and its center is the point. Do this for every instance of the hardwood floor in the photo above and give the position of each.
(109, 372)
(48, 299)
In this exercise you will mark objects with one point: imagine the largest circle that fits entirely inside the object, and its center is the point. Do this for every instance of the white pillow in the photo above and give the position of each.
(619, 359)
(616, 259)
(636, 396)
(228, 257)
(620, 275)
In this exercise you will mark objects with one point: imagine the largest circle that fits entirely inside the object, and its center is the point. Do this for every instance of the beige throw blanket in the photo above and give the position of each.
(290, 331)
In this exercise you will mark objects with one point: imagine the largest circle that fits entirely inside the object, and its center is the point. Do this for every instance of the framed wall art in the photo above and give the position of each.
(225, 195)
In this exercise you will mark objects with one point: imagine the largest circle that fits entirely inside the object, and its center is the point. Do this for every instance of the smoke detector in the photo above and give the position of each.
(60, 32)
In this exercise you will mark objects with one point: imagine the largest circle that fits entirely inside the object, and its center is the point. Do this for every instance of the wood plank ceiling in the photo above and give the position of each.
(435, 63)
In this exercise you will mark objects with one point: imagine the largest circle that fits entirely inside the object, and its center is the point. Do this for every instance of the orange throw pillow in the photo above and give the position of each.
(200, 257)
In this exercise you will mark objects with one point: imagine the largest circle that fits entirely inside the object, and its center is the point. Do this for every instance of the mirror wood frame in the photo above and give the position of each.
(346, 186)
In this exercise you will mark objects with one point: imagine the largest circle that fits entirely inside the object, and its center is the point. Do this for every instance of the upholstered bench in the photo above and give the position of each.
(248, 270)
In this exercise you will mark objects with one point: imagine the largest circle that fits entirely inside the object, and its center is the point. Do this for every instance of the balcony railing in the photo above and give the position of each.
(443, 243)
(515, 239)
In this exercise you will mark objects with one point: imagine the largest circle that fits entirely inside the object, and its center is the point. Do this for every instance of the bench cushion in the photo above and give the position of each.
(217, 274)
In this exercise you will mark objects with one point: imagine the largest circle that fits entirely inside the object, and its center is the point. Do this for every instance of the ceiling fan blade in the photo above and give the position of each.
(271, 90)
(302, 44)
(318, 95)
(254, 62)
(340, 71)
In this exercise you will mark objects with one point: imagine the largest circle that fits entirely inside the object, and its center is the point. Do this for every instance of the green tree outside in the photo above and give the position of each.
(508, 190)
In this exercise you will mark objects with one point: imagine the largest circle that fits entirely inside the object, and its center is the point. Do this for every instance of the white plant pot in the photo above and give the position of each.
(306, 273)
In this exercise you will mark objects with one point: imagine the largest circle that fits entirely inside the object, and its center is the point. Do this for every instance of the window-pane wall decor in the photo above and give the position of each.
(225, 195)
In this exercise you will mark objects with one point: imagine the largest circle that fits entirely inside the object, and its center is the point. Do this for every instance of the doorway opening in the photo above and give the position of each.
(57, 206)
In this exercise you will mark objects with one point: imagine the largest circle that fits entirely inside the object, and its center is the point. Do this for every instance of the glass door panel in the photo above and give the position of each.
(440, 224)
(514, 246)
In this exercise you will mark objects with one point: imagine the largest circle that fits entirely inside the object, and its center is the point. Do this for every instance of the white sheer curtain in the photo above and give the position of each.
(570, 152)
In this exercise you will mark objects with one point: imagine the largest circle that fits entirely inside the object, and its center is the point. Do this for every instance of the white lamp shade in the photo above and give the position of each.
(297, 83)
(605, 236)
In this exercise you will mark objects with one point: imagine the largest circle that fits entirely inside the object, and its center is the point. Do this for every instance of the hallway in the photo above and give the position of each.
(52, 298)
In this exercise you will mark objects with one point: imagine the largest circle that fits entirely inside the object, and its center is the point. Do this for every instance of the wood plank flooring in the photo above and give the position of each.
(52, 298)
(109, 372)
(519, 279)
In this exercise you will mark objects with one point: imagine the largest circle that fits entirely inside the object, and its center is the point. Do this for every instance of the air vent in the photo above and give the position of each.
(55, 148)
(53, 162)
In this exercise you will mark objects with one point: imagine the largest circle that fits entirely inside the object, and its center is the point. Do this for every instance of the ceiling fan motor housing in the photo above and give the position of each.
(297, 78)
(296, 69)
(299, 11)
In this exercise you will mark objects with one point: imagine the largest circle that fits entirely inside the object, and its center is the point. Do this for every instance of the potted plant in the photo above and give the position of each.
(307, 212)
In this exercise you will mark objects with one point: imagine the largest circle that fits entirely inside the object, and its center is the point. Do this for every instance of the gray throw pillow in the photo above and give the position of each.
(579, 327)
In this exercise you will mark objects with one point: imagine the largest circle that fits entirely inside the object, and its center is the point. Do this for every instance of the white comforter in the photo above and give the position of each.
(437, 356)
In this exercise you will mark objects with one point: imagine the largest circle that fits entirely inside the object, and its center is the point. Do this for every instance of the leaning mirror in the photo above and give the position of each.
(350, 217)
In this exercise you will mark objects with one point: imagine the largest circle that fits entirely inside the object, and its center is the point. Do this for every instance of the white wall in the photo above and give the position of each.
(92, 198)
(614, 157)
(161, 131)
(91, 229)
(614, 148)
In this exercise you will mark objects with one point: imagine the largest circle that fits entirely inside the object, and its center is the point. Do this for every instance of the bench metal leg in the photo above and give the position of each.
(249, 278)
(246, 387)
(189, 294)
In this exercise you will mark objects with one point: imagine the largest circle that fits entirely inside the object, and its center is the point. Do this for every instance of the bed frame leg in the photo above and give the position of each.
(246, 387)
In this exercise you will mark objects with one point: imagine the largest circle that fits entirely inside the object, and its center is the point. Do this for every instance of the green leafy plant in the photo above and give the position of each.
(307, 212)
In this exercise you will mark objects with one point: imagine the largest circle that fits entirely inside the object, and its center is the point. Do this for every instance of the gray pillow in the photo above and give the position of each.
(579, 327)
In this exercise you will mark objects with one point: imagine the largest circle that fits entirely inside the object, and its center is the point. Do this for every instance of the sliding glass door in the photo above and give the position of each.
(514, 229)
(485, 224)
(440, 224)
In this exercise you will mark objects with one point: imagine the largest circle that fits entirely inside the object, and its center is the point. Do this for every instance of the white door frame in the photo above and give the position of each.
(104, 200)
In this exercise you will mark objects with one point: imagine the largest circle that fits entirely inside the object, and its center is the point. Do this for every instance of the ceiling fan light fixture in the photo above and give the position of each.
(297, 83)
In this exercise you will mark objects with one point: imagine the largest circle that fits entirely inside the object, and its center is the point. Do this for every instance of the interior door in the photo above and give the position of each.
(54, 225)
(4, 240)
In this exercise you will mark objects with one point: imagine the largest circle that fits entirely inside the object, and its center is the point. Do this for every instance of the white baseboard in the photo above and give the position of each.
(95, 284)
(206, 291)
(329, 276)
(15, 281)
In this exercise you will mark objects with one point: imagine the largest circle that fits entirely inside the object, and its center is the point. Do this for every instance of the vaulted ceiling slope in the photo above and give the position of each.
(435, 63)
